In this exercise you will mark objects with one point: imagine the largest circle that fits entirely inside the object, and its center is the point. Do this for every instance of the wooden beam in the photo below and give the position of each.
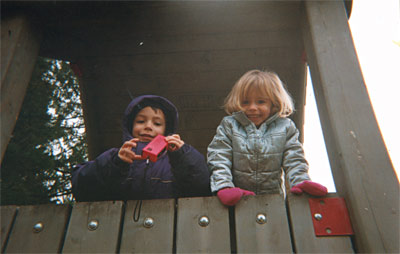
(38, 229)
(303, 232)
(94, 227)
(194, 237)
(262, 236)
(7, 219)
(363, 172)
(138, 238)
(19, 50)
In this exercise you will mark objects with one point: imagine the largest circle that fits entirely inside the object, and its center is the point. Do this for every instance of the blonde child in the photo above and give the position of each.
(257, 143)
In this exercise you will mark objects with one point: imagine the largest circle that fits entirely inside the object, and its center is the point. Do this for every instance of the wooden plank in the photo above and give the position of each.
(193, 238)
(7, 214)
(83, 236)
(91, 114)
(195, 61)
(136, 238)
(19, 49)
(195, 81)
(198, 120)
(24, 238)
(11, 30)
(304, 239)
(129, 23)
(361, 166)
(158, 43)
(273, 236)
(204, 17)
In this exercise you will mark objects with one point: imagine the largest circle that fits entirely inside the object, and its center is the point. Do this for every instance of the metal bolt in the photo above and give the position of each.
(38, 227)
(318, 216)
(204, 221)
(148, 222)
(93, 225)
(261, 218)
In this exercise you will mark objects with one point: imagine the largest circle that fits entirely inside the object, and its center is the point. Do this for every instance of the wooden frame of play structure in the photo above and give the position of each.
(192, 52)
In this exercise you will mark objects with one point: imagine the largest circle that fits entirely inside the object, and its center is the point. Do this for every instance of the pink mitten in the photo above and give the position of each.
(312, 188)
(230, 196)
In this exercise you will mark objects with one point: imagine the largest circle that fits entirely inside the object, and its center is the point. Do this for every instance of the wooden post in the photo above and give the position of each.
(303, 233)
(361, 167)
(19, 50)
(153, 232)
(94, 227)
(7, 218)
(38, 229)
(256, 235)
(202, 226)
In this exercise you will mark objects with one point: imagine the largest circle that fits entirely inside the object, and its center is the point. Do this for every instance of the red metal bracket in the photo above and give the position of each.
(330, 216)
(154, 148)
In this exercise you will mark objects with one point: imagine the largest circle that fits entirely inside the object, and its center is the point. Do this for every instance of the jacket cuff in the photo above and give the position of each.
(122, 165)
(178, 153)
(215, 189)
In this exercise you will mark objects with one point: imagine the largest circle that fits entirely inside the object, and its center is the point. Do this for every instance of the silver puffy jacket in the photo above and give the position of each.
(240, 155)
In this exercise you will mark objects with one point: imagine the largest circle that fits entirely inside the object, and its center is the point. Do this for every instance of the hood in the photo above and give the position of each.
(170, 112)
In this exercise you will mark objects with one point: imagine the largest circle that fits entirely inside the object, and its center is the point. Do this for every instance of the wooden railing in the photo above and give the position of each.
(257, 224)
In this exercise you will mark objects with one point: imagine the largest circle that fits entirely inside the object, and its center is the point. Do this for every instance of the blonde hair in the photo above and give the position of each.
(267, 84)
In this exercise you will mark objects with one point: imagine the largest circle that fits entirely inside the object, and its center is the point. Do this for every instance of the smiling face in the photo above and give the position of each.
(148, 123)
(256, 107)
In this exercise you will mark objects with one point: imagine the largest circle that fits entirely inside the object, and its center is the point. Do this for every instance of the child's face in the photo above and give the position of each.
(256, 107)
(148, 123)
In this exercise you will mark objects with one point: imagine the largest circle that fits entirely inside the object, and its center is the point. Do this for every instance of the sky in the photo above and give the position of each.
(375, 27)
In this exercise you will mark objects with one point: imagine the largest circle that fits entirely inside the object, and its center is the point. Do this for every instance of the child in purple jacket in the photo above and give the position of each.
(122, 174)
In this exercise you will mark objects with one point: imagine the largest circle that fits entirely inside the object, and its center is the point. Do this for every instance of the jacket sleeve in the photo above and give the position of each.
(99, 179)
(219, 158)
(294, 163)
(190, 171)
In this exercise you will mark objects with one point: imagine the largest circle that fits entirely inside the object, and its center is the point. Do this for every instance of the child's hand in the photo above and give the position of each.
(309, 187)
(126, 154)
(174, 142)
(230, 196)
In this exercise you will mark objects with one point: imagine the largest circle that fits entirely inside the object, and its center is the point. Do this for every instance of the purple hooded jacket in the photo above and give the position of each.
(182, 173)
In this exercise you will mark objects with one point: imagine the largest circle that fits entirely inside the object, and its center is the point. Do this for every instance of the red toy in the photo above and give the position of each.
(154, 148)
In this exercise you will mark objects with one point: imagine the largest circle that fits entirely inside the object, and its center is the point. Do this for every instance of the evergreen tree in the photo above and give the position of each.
(48, 139)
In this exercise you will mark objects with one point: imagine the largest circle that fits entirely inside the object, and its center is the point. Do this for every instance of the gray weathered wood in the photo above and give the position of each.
(215, 19)
(161, 43)
(163, 63)
(136, 238)
(19, 49)
(7, 214)
(193, 238)
(103, 239)
(304, 239)
(270, 237)
(23, 238)
(360, 163)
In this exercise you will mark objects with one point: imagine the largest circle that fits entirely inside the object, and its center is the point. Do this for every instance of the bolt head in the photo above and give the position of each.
(148, 222)
(204, 221)
(318, 216)
(261, 218)
(38, 227)
(93, 225)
